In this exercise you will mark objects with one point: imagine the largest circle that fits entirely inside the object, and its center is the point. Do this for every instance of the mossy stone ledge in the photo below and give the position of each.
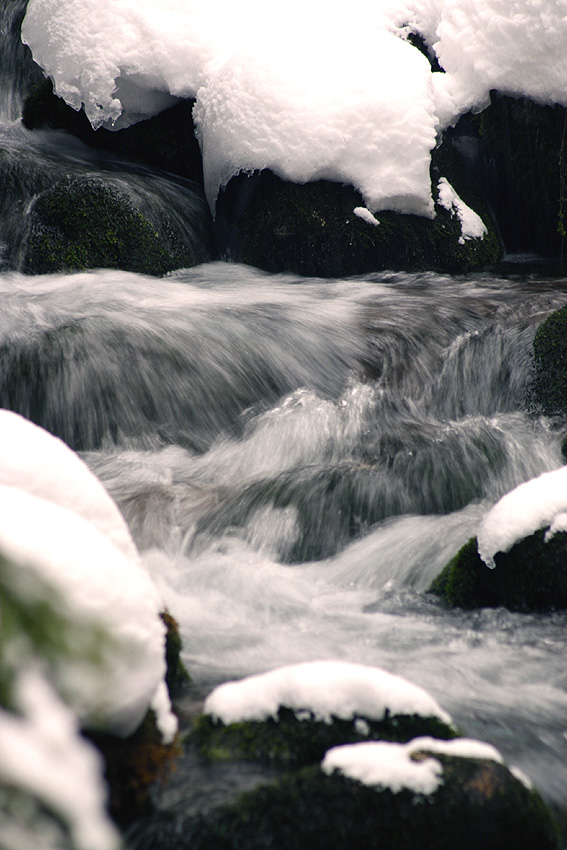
(89, 222)
(294, 738)
(531, 577)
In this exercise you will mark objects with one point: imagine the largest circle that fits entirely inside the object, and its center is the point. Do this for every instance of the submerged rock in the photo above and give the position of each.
(532, 576)
(90, 222)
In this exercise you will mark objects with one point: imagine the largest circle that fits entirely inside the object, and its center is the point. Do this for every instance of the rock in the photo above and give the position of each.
(525, 173)
(166, 141)
(289, 739)
(532, 576)
(132, 765)
(549, 383)
(478, 803)
(312, 229)
(91, 222)
(176, 677)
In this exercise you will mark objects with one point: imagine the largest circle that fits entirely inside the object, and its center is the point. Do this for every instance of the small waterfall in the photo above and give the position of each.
(18, 71)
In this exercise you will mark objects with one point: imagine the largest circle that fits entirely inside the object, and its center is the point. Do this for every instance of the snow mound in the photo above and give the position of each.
(395, 766)
(308, 89)
(535, 504)
(326, 689)
(44, 466)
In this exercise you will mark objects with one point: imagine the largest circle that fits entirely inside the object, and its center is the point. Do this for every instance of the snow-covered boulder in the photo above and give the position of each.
(374, 795)
(82, 642)
(294, 714)
(519, 557)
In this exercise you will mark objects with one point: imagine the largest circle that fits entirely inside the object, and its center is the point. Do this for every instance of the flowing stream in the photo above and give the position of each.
(297, 459)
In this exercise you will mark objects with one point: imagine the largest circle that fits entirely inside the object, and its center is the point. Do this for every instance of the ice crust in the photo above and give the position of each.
(307, 89)
(325, 689)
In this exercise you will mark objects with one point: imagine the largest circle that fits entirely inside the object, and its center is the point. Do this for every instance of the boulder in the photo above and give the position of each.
(524, 173)
(465, 802)
(549, 381)
(323, 229)
(532, 576)
(97, 222)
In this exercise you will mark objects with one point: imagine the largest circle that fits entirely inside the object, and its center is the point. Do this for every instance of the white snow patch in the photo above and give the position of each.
(99, 585)
(42, 465)
(472, 226)
(42, 751)
(325, 688)
(402, 766)
(366, 215)
(309, 89)
(535, 504)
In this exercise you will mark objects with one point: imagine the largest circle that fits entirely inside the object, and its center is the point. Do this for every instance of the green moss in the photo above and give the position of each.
(549, 385)
(311, 228)
(287, 740)
(478, 805)
(88, 223)
(532, 576)
(177, 677)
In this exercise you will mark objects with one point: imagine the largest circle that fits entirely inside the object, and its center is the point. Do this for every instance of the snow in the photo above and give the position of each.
(366, 215)
(44, 466)
(326, 689)
(535, 504)
(98, 585)
(308, 89)
(42, 751)
(472, 226)
(65, 552)
(395, 766)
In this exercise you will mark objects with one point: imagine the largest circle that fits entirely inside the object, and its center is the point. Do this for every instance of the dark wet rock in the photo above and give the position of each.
(166, 141)
(549, 385)
(91, 222)
(525, 172)
(177, 677)
(311, 229)
(133, 765)
(289, 739)
(479, 804)
(532, 576)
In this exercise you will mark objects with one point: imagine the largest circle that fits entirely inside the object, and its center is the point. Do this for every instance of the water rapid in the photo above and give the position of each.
(297, 459)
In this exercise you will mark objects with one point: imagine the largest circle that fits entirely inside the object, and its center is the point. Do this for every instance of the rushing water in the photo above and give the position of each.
(297, 459)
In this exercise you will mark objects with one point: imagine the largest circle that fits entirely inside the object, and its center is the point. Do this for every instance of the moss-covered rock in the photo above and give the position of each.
(549, 385)
(300, 739)
(532, 576)
(311, 229)
(90, 223)
(479, 804)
